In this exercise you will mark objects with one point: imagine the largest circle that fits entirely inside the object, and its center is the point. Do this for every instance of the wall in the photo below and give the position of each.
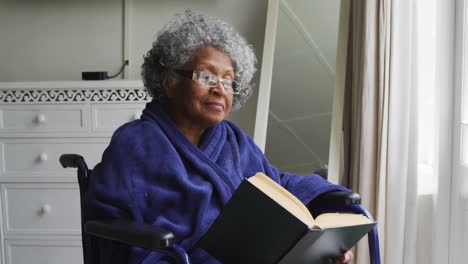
(57, 40)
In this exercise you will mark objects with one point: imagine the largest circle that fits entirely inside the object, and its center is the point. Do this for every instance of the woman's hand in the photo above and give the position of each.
(346, 258)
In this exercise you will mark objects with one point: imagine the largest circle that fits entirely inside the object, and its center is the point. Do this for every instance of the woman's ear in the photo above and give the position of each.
(166, 83)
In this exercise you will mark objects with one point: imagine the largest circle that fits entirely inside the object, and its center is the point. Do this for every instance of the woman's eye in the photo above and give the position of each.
(207, 78)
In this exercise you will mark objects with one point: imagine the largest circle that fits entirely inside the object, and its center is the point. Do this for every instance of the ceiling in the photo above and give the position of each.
(299, 122)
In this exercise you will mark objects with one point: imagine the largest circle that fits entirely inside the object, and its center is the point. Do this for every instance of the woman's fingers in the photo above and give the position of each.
(347, 257)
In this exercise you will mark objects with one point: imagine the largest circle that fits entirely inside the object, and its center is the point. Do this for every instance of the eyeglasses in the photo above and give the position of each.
(210, 80)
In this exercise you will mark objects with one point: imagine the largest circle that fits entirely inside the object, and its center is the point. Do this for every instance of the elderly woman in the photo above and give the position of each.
(180, 163)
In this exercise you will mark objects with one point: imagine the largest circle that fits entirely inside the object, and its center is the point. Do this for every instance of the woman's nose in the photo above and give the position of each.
(219, 89)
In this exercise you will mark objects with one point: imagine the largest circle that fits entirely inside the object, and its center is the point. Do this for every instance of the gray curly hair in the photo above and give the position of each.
(180, 39)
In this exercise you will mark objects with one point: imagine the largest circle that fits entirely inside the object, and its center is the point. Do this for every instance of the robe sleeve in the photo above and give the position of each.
(111, 195)
(304, 187)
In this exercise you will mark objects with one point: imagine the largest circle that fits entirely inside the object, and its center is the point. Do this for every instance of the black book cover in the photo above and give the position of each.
(253, 228)
(324, 246)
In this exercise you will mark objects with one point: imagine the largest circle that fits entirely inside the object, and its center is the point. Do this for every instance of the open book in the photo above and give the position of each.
(265, 223)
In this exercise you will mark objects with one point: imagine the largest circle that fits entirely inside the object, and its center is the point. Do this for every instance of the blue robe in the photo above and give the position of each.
(152, 173)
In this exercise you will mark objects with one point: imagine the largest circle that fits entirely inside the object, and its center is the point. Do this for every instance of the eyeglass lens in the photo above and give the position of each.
(212, 80)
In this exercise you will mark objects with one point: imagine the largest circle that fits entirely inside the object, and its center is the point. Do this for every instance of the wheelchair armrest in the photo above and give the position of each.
(70, 160)
(136, 234)
(338, 199)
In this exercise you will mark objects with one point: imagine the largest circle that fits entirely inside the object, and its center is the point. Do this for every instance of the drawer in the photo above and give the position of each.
(43, 252)
(41, 209)
(42, 118)
(40, 158)
(108, 117)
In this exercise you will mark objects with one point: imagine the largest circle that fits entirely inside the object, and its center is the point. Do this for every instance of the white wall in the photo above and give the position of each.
(57, 40)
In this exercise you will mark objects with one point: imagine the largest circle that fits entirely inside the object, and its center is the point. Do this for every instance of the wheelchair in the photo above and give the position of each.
(161, 240)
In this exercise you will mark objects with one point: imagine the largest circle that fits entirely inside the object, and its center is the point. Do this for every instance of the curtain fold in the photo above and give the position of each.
(392, 129)
(366, 110)
(381, 124)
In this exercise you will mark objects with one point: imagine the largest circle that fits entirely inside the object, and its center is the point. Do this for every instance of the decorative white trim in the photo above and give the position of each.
(56, 95)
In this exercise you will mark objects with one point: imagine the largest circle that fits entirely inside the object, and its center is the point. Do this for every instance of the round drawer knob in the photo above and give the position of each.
(43, 157)
(136, 116)
(46, 209)
(41, 118)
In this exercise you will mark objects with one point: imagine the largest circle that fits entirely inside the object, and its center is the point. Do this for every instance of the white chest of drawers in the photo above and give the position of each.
(39, 121)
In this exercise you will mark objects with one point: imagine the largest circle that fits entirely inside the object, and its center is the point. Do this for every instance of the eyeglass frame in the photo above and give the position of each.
(194, 75)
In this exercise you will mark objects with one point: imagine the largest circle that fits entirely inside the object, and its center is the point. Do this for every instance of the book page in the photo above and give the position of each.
(329, 220)
(283, 197)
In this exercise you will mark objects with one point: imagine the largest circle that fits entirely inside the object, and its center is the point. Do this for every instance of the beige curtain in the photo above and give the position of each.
(366, 110)
(381, 124)
(386, 122)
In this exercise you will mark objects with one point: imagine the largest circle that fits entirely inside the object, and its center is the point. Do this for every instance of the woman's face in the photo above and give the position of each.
(196, 105)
